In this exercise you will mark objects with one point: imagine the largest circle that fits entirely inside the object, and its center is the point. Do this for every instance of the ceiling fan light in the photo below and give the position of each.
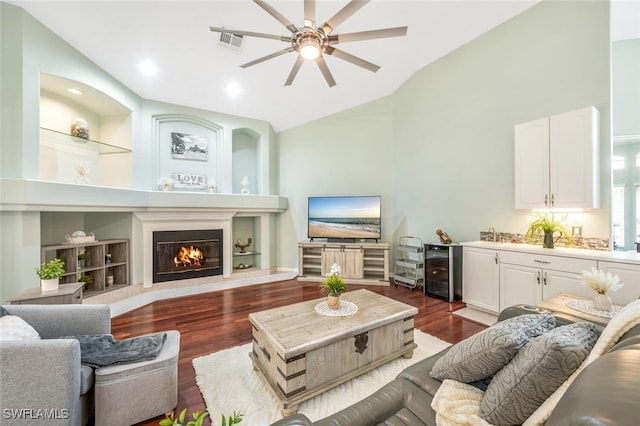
(309, 47)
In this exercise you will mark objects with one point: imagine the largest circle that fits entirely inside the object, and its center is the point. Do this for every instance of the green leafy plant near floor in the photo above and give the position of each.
(198, 418)
(51, 269)
(544, 223)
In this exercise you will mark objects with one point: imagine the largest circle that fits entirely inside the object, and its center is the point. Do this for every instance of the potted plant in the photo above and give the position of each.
(82, 258)
(86, 279)
(601, 283)
(198, 417)
(334, 285)
(547, 226)
(50, 273)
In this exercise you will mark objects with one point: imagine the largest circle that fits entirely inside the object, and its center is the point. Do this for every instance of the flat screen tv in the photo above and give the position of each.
(344, 218)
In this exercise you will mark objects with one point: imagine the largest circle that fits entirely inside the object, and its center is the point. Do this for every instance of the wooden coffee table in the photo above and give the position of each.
(302, 353)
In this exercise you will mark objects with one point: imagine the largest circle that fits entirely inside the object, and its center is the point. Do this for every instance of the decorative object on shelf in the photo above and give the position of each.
(245, 185)
(79, 237)
(189, 147)
(108, 259)
(243, 246)
(86, 279)
(601, 283)
(50, 273)
(80, 128)
(242, 266)
(82, 259)
(444, 237)
(212, 185)
(109, 278)
(82, 169)
(165, 183)
(547, 225)
(335, 285)
(189, 181)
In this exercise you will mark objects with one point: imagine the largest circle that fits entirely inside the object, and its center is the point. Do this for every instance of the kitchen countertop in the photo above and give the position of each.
(631, 257)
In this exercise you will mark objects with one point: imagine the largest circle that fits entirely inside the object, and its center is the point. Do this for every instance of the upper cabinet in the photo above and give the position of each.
(556, 161)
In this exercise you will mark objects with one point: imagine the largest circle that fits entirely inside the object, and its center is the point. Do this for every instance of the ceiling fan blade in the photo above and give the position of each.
(294, 70)
(250, 34)
(352, 7)
(368, 35)
(324, 69)
(352, 59)
(273, 12)
(310, 13)
(265, 58)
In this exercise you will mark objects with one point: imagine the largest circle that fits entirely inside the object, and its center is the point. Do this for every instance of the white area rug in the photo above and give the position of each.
(476, 315)
(228, 382)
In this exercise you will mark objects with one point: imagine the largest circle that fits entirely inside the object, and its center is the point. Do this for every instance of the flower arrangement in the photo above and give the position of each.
(545, 224)
(212, 185)
(165, 183)
(601, 282)
(334, 283)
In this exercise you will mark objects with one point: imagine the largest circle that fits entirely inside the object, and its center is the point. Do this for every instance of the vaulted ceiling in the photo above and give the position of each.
(194, 69)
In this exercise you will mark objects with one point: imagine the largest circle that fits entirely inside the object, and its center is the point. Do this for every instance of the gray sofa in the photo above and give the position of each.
(44, 382)
(604, 393)
(46, 374)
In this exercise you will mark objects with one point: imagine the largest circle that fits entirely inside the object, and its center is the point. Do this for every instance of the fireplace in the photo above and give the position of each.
(179, 255)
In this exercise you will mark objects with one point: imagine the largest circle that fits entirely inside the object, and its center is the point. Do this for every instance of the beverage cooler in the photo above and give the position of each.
(443, 271)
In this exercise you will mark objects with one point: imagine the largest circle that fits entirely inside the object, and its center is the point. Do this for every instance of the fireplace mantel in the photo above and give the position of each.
(36, 195)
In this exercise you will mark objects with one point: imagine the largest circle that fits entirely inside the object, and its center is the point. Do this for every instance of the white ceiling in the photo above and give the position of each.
(194, 70)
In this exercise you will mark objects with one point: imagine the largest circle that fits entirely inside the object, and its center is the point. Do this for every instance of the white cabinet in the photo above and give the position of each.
(556, 161)
(530, 278)
(481, 278)
(629, 275)
(360, 263)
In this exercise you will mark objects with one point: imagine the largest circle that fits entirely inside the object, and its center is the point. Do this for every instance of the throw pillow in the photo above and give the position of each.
(482, 354)
(15, 328)
(535, 373)
(3, 311)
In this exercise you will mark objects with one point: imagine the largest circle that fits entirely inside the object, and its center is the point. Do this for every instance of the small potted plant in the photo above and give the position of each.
(82, 258)
(50, 273)
(547, 226)
(198, 417)
(86, 279)
(335, 285)
(601, 283)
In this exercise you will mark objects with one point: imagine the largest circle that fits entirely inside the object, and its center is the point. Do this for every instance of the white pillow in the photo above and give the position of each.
(13, 327)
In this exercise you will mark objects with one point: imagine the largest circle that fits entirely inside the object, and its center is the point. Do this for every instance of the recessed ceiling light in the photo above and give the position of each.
(74, 91)
(148, 68)
(233, 90)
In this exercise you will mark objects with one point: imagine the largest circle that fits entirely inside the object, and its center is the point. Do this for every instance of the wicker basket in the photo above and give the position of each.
(68, 239)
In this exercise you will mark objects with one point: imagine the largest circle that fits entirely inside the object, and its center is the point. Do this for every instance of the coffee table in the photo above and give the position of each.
(302, 353)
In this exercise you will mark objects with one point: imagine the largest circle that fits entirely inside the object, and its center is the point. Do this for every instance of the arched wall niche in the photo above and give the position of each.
(186, 145)
(246, 155)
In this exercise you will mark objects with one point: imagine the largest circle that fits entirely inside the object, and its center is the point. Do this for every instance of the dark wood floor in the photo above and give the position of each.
(209, 322)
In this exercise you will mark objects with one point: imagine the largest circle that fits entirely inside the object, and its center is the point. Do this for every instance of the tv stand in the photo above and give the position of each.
(360, 263)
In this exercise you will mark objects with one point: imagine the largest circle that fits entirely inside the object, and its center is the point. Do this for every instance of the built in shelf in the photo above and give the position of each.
(65, 141)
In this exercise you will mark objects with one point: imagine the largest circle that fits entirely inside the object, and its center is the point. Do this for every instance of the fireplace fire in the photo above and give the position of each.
(186, 254)
(189, 257)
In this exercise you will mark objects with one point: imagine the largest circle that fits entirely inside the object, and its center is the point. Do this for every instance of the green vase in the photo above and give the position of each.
(548, 239)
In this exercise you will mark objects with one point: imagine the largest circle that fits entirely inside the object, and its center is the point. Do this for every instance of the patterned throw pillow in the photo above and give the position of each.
(482, 354)
(535, 373)
(15, 328)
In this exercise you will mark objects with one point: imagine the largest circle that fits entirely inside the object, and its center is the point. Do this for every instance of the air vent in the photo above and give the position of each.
(233, 41)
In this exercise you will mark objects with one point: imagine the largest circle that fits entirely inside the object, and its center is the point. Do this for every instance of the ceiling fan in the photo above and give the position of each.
(312, 42)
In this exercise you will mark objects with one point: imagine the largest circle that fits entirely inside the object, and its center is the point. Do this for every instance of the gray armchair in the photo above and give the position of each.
(43, 381)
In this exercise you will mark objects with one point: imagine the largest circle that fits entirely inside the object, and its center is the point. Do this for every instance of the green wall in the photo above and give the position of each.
(445, 157)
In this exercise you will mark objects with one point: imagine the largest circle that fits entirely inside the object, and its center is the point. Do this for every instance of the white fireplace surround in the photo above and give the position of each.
(182, 221)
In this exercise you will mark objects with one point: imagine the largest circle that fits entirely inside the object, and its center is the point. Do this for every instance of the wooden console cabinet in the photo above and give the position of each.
(361, 263)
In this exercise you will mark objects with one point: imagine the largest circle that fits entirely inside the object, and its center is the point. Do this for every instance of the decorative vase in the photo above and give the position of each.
(602, 302)
(50, 284)
(548, 239)
(333, 302)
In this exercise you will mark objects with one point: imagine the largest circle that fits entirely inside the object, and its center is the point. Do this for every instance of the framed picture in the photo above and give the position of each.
(189, 147)
(188, 181)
